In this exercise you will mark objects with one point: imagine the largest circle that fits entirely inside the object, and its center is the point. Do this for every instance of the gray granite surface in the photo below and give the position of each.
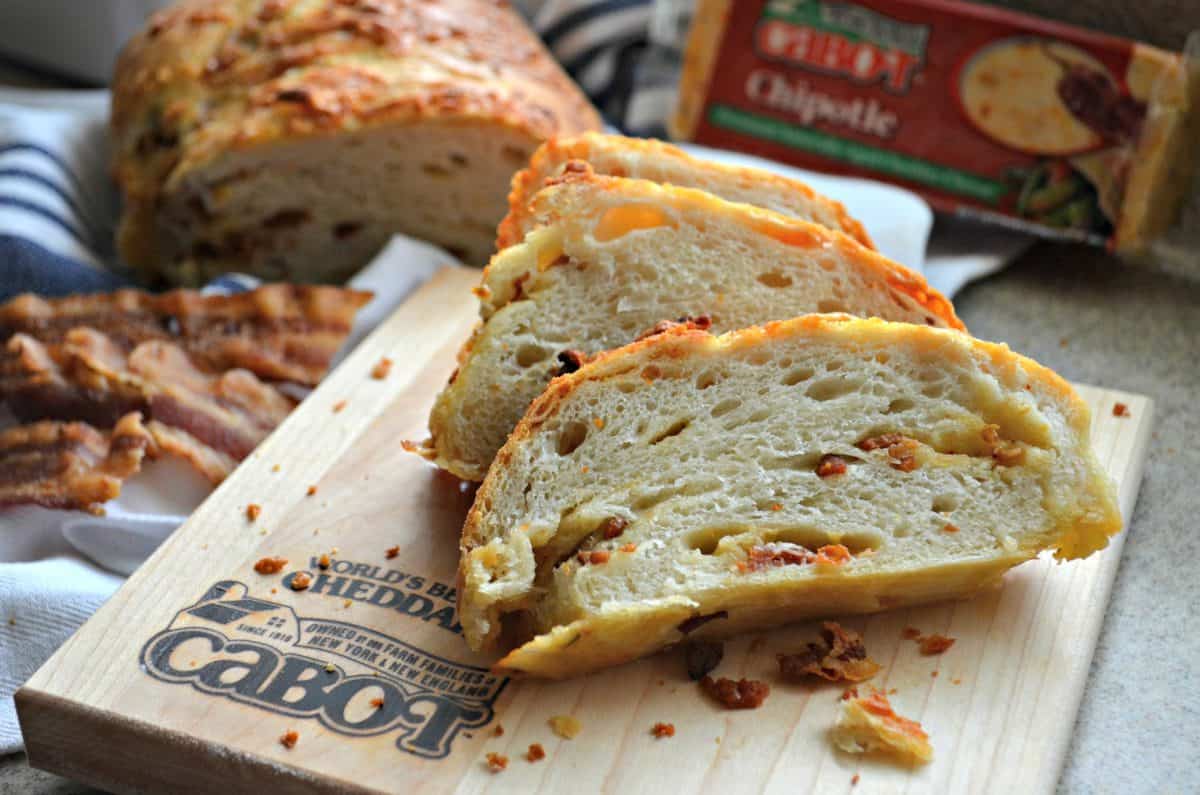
(1097, 321)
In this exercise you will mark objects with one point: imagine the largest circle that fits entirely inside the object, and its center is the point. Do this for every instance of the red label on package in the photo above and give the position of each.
(980, 110)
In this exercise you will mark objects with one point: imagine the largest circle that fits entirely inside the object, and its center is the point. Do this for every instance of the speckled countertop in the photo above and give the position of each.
(1101, 322)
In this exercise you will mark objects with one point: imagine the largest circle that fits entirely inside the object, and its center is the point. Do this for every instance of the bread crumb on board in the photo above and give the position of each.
(310, 491)
(736, 694)
(300, 581)
(1121, 410)
(266, 566)
(381, 369)
(567, 727)
(341, 404)
(661, 730)
(868, 724)
(289, 739)
(840, 656)
(935, 644)
(535, 753)
(499, 730)
(391, 552)
(253, 511)
(496, 762)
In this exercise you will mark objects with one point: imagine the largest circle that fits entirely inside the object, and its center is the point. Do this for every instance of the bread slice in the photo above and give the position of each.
(641, 158)
(824, 465)
(614, 257)
(292, 140)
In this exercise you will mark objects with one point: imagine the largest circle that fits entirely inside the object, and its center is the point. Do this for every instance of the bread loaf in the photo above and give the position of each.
(640, 158)
(695, 486)
(612, 258)
(290, 139)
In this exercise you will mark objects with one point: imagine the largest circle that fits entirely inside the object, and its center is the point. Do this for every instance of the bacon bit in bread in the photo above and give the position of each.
(901, 449)
(785, 553)
(777, 553)
(935, 644)
(776, 507)
(566, 726)
(300, 581)
(381, 369)
(596, 556)
(1121, 410)
(613, 527)
(499, 730)
(739, 694)
(910, 633)
(289, 739)
(832, 555)
(831, 465)
(377, 703)
(1004, 454)
(253, 511)
(536, 752)
(839, 657)
(699, 323)
(661, 730)
(391, 552)
(870, 724)
(630, 547)
(323, 562)
(702, 657)
(949, 528)
(267, 566)
(598, 422)
(311, 491)
(341, 404)
(496, 762)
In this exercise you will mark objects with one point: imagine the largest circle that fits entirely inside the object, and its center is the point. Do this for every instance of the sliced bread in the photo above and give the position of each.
(642, 158)
(689, 485)
(612, 258)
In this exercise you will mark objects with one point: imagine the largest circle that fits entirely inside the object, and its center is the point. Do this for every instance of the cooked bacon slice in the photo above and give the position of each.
(280, 332)
(213, 420)
(70, 464)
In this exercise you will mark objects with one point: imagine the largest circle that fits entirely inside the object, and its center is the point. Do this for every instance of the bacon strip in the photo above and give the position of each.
(70, 464)
(280, 332)
(201, 370)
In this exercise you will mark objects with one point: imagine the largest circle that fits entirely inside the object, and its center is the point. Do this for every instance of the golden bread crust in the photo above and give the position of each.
(1079, 522)
(609, 154)
(207, 77)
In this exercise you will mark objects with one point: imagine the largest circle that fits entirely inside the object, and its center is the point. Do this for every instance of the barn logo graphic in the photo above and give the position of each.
(354, 680)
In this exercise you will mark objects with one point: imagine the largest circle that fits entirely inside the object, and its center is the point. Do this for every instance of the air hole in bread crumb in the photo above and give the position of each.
(529, 355)
(933, 390)
(571, 436)
(515, 155)
(827, 305)
(774, 279)
(899, 404)
(706, 379)
(793, 377)
(435, 170)
(945, 503)
(725, 406)
(903, 531)
(674, 429)
(832, 388)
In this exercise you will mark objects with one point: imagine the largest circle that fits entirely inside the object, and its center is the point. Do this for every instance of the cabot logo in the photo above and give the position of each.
(843, 39)
(352, 679)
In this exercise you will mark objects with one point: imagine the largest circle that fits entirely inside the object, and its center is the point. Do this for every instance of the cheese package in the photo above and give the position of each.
(985, 112)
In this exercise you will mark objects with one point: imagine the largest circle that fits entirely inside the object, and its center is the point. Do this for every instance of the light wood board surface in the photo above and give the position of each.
(187, 678)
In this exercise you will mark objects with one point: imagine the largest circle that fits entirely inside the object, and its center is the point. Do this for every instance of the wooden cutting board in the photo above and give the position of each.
(188, 677)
